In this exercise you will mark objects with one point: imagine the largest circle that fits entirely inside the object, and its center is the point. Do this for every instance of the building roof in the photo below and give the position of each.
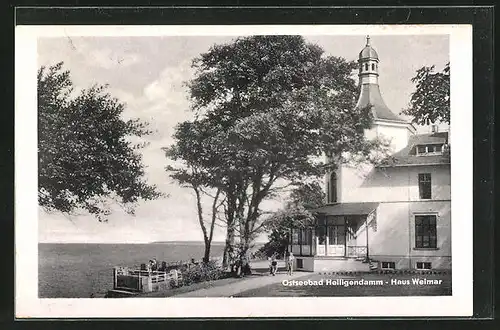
(431, 138)
(408, 156)
(370, 95)
(368, 51)
(347, 209)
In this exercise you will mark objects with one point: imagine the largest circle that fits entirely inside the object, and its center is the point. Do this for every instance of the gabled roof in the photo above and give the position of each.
(408, 156)
(370, 95)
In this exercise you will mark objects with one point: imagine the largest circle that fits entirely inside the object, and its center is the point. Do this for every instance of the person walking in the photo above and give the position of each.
(289, 263)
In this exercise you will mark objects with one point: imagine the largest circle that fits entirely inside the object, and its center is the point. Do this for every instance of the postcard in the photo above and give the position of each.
(251, 171)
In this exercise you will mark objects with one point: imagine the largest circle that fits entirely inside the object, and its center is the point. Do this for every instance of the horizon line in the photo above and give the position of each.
(148, 242)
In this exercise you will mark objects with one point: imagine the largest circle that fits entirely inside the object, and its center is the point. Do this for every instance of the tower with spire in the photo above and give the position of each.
(386, 124)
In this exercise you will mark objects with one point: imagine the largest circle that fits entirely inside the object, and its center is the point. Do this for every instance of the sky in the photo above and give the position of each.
(148, 75)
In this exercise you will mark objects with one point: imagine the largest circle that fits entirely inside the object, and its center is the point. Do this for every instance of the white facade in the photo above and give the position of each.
(396, 189)
(410, 224)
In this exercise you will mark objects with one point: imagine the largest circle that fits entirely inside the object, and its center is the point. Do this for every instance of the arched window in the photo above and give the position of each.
(366, 66)
(332, 188)
(373, 66)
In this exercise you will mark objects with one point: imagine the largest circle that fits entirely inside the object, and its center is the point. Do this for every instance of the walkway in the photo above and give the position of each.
(250, 283)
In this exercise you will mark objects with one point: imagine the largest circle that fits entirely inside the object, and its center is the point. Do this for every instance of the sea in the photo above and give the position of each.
(86, 270)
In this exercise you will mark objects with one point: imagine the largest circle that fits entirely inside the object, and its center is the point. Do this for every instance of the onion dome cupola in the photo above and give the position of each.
(370, 91)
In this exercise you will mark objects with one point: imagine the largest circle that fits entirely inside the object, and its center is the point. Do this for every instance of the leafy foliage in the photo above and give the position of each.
(295, 214)
(84, 155)
(203, 272)
(430, 102)
(267, 109)
(308, 195)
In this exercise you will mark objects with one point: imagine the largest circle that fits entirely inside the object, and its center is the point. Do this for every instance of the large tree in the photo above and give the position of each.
(199, 180)
(430, 102)
(85, 155)
(267, 109)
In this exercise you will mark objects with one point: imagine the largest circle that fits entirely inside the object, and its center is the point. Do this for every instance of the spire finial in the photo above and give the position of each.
(368, 40)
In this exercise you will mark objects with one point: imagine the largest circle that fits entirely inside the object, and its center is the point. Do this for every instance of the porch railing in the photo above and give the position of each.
(356, 251)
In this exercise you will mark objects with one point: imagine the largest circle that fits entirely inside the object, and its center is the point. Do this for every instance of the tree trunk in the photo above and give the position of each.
(243, 256)
(206, 255)
(226, 259)
(228, 248)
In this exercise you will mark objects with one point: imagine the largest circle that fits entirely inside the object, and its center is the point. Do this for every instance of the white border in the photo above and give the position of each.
(27, 303)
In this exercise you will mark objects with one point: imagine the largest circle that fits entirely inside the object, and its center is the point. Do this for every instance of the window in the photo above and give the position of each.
(430, 149)
(306, 236)
(332, 188)
(373, 66)
(321, 234)
(421, 150)
(424, 185)
(437, 148)
(388, 265)
(336, 235)
(295, 237)
(424, 265)
(366, 66)
(320, 220)
(425, 232)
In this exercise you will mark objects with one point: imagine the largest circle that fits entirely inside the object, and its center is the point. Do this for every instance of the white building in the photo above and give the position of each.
(405, 203)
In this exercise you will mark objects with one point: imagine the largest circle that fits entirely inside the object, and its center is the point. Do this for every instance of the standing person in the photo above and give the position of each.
(150, 266)
(289, 263)
(274, 265)
(270, 260)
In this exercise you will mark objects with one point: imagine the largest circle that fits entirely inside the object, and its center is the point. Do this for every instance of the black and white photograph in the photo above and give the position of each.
(249, 163)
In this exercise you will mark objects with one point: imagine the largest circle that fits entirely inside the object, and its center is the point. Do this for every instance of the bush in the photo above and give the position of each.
(202, 272)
